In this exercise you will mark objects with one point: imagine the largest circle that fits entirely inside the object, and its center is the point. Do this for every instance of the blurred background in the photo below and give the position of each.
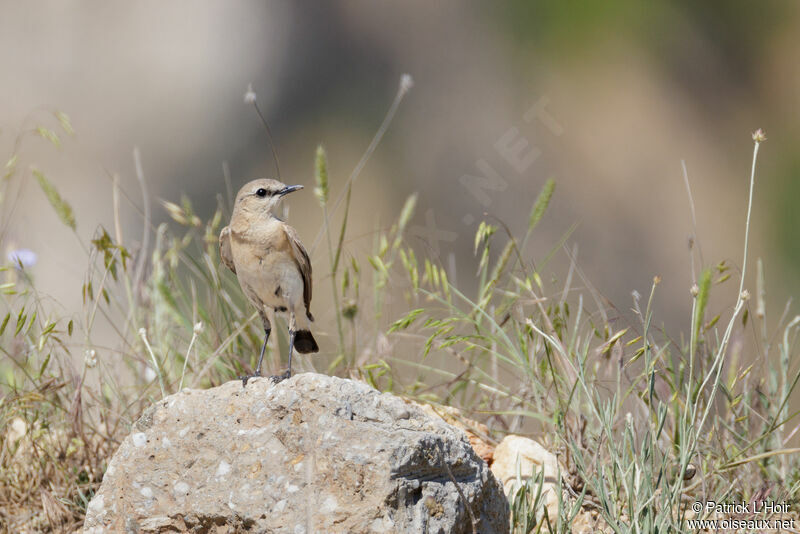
(608, 99)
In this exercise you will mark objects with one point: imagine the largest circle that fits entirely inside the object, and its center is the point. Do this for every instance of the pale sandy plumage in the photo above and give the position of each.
(272, 266)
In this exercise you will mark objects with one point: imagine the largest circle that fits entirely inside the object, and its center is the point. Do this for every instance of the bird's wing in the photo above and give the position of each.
(225, 253)
(303, 263)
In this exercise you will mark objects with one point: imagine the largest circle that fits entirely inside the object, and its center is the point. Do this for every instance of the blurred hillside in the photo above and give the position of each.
(606, 99)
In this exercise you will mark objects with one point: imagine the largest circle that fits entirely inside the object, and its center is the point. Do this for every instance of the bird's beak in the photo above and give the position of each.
(288, 189)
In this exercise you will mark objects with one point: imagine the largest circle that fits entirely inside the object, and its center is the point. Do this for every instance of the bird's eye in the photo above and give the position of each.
(261, 192)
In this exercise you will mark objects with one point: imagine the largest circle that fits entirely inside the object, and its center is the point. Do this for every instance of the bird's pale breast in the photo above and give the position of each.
(265, 266)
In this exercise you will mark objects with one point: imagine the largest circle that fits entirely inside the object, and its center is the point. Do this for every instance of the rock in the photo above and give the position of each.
(532, 458)
(590, 522)
(311, 454)
(474, 430)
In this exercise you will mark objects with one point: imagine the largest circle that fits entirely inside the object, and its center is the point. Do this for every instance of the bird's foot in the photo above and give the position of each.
(280, 378)
(245, 378)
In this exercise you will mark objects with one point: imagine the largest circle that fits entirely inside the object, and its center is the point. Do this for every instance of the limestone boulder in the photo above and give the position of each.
(311, 454)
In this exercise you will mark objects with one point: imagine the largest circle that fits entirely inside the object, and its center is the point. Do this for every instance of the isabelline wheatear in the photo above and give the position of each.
(272, 265)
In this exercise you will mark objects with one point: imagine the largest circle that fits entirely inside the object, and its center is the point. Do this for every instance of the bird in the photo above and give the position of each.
(271, 263)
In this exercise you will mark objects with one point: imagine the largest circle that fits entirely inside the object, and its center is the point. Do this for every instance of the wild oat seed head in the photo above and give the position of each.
(249, 95)
(759, 136)
(175, 212)
(321, 175)
(406, 83)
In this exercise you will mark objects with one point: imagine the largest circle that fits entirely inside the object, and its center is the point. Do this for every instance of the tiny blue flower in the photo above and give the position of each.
(22, 257)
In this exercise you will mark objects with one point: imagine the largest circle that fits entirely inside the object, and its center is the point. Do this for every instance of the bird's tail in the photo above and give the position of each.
(304, 342)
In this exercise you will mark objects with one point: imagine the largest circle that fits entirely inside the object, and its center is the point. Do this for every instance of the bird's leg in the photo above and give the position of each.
(260, 359)
(292, 331)
(288, 372)
(291, 350)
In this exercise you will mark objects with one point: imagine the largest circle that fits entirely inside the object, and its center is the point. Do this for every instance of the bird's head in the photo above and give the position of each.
(261, 196)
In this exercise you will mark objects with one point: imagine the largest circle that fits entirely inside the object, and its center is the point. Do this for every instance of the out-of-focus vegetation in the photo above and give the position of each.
(643, 424)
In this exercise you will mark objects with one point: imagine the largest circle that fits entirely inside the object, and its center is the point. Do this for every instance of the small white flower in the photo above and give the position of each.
(406, 83)
(250, 95)
(198, 328)
(142, 332)
(745, 295)
(759, 136)
(22, 257)
(90, 357)
(149, 374)
(694, 290)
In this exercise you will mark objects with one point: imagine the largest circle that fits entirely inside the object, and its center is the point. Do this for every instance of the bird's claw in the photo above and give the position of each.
(245, 378)
(280, 378)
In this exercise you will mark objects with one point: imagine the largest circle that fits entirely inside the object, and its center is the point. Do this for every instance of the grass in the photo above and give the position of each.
(643, 425)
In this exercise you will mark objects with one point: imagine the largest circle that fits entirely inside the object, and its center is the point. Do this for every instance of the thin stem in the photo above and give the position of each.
(186, 360)
(695, 243)
(137, 159)
(269, 136)
(143, 335)
(338, 309)
(749, 210)
(405, 85)
(716, 367)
